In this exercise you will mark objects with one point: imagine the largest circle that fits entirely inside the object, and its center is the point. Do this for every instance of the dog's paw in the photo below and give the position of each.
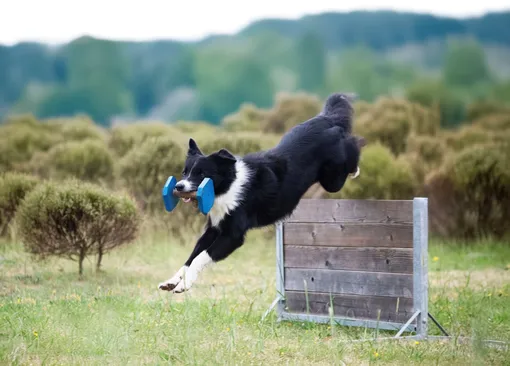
(172, 283)
(168, 286)
(355, 175)
(182, 287)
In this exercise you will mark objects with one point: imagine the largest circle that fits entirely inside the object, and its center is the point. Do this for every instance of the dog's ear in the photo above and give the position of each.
(223, 156)
(193, 148)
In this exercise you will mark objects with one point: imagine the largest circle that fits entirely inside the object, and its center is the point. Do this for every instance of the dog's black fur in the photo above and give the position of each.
(321, 149)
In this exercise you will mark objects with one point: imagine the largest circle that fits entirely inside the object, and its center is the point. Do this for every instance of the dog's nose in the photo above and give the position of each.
(179, 186)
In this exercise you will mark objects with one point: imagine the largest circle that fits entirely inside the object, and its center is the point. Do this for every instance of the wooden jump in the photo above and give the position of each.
(363, 260)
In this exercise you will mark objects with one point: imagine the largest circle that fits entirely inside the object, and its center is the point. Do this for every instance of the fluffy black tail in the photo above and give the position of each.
(338, 108)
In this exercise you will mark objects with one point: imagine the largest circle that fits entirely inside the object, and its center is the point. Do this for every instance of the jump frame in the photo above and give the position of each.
(420, 292)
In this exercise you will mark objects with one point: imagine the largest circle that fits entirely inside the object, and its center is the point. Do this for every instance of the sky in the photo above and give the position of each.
(58, 21)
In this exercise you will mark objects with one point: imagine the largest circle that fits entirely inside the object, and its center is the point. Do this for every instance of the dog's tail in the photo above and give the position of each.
(338, 108)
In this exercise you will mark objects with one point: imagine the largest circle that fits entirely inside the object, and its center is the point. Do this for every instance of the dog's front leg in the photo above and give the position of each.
(203, 243)
(222, 247)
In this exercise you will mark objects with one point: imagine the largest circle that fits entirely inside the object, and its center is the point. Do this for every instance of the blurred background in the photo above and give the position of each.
(83, 86)
(98, 100)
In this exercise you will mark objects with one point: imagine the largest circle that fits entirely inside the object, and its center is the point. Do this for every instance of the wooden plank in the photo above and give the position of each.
(349, 235)
(393, 309)
(354, 259)
(350, 283)
(363, 323)
(361, 211)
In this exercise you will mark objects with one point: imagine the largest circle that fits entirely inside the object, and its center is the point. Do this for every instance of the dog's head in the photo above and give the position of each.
(218, 166)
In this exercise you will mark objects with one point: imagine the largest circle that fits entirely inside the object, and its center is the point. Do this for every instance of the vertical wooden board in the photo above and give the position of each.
(361, 211)
(349, 282)
(355, 259)
(349, 235)
(392, 309)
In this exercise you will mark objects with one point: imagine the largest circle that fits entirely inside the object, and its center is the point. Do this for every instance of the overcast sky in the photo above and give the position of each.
(56, 21)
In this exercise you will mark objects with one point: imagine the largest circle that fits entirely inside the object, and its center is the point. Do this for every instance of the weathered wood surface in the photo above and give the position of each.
(360, 211)
(349, 282)
(392, 309)
(349, 235)
(354, 259)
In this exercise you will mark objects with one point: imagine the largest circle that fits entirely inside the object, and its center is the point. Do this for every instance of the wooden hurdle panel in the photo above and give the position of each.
(356, 262)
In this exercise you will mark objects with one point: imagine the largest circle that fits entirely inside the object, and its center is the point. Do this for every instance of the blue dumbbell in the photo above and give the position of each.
(204, 195)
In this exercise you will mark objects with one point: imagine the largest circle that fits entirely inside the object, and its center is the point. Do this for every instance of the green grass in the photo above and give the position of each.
(48, 316)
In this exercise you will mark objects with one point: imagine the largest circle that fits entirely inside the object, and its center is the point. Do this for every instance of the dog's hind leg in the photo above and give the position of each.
(332, 177)
(222, 247)
(203, 243)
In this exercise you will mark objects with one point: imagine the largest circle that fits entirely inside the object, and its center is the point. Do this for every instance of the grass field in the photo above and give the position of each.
(48, 316)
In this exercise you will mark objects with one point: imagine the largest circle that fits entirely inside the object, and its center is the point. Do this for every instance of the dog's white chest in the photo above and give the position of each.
(227, 202)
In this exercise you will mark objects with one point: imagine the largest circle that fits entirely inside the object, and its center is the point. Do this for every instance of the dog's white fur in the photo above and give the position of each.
(198, 265)
(232, 198)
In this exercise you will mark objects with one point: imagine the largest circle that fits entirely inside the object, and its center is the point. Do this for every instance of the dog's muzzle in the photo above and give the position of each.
(356, 174)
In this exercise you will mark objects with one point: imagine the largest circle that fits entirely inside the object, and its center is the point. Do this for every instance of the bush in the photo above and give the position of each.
(76, 129)
(470, 194)
(466, 136)
(236, 144)
(145, 169)
(74, 220)
(248, 118)
(123, 138)
(290, 110)
(13, 189)
(382, 176)
(20, 139)
(88, 160)
(483, 109)
(431, 150)
(497, 122)
(391, 121)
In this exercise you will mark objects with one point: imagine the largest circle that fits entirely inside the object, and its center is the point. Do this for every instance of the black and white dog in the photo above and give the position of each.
(262, 188)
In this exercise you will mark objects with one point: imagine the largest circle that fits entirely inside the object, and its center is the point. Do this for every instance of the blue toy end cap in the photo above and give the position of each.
(205, 195)
(169, 199)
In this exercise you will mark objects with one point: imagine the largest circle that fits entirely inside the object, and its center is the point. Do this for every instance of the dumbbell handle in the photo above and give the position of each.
(185, 194)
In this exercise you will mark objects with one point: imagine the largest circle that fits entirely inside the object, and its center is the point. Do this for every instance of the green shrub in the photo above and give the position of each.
(20, 139)
(431, 150)
(290, 110)
(236, 144)
(391, 121)
(482, 109)
(88, 160)
(123, 138)
(382, 176)
(248, 118)
(76, 129)
(145, 169)
(497, 122)
(74, 220)
(466, 136)
(13, 189)
(470, 194)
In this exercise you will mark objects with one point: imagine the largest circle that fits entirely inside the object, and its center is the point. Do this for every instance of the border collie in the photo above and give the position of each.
(262, 188)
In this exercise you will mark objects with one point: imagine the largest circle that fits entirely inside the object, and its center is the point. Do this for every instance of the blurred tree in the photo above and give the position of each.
(310, 62)
(465, 64)
(225, 79)
(432, 93)
(97, 81)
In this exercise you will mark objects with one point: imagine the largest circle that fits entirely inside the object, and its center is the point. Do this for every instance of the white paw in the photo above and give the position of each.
(355, 175)
(182, 287)
(172, 283)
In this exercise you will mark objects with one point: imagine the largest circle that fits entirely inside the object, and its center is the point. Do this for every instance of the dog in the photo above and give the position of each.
(263, 188)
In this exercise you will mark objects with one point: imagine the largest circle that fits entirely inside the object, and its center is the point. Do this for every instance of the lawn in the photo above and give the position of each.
(48, 316)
